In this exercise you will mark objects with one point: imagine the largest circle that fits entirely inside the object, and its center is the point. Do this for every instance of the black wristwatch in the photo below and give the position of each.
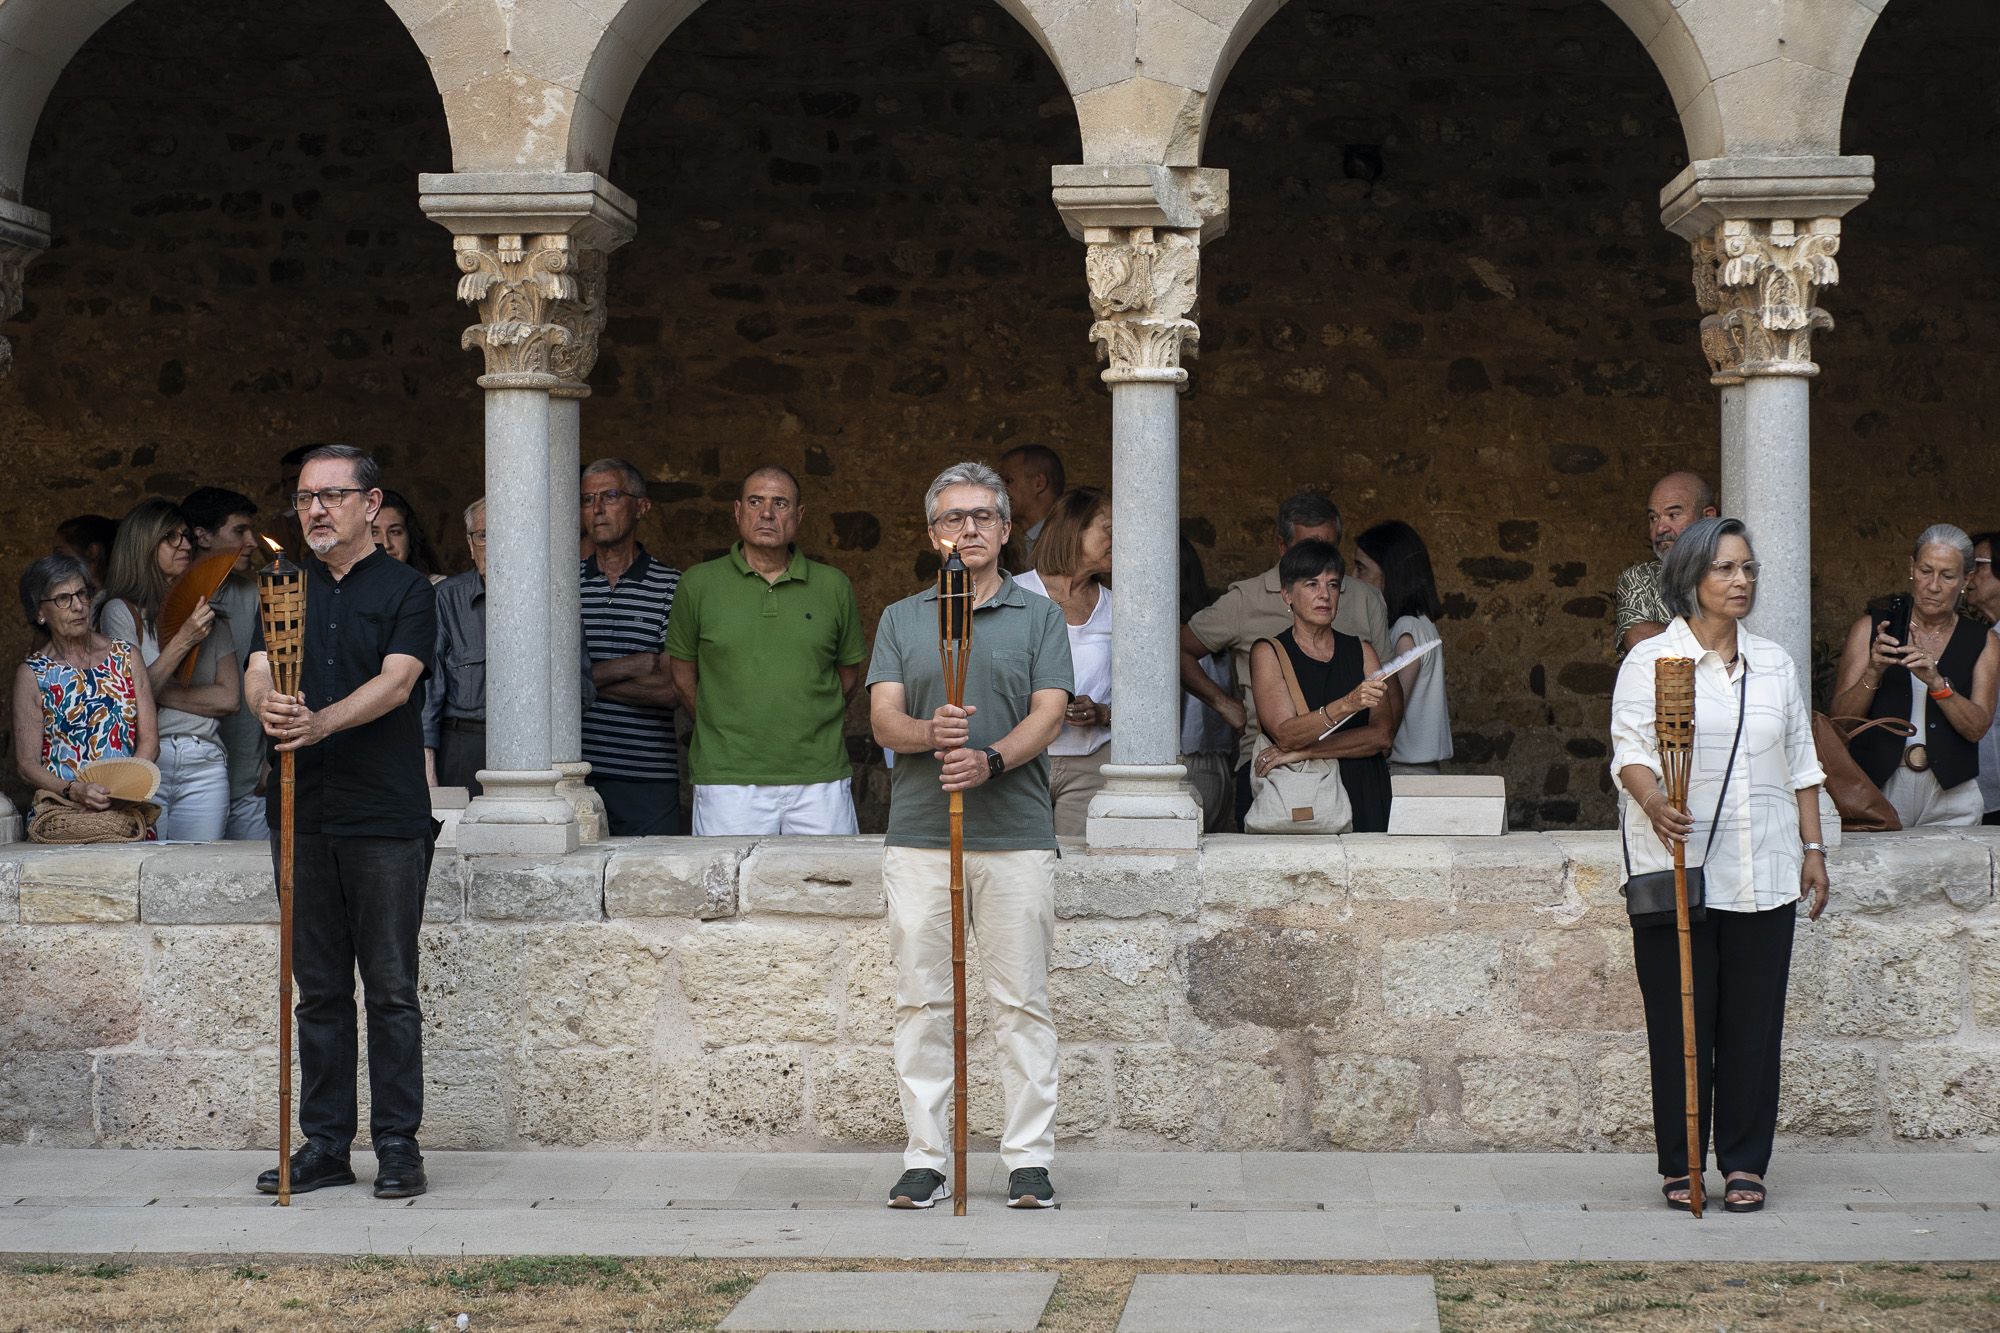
(995, 765)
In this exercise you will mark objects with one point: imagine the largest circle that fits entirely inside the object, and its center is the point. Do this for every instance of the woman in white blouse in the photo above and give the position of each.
(1072, 569)
(1757, 837)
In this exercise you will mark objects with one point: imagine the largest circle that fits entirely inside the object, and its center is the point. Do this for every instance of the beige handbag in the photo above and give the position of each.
(1302, 797)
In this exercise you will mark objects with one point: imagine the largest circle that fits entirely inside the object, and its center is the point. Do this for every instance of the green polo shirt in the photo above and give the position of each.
(1019, 646)
(768, 705)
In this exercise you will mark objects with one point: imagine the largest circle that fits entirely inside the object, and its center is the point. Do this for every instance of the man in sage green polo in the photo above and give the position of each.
(765, 647)
(1017, 687)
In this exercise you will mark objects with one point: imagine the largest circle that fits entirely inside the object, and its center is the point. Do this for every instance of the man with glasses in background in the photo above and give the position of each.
(627, 598)
(1017, 687)
(363, 821)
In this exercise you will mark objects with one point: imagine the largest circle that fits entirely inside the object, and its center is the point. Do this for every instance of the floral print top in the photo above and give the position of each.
(87, 715)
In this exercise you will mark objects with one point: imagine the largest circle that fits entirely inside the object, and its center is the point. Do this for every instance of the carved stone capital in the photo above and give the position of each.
(1143, 283)
(517, 283)
(582, 318)
(1758, 283)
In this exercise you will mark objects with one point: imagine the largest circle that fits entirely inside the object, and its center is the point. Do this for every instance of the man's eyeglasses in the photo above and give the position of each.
(599, 499)
(1726, 570)
(332, 497)
(954, 520)
(477, 536)
(68, 601)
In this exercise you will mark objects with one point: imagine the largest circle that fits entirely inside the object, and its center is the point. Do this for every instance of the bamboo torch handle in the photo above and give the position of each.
(287, 832)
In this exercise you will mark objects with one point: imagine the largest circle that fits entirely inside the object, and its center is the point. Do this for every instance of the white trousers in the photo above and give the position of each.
(194, 790)
(246, 819)
(1920, 801)
(743, 812)
(1010, 900)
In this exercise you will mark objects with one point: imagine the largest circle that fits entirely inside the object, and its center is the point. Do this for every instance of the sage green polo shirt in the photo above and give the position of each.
(1019, 646)
(767, 705)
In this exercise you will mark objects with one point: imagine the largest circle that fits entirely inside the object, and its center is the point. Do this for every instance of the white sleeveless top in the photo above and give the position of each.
(1425, 734)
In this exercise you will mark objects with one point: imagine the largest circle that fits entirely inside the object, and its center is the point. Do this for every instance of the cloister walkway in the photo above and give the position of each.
(1837, 1207)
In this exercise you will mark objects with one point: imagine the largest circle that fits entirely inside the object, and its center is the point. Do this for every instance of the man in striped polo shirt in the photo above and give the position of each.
(628, 734)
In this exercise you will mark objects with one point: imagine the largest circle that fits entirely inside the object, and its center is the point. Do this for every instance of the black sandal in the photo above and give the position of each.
(1667, 1189)
(1755, 1187)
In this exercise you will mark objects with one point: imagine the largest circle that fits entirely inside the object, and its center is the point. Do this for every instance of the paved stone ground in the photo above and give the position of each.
(931, 1302)
(1221, 1303)
(1837, 1207)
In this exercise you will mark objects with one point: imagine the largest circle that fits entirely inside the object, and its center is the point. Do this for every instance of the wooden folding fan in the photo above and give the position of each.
(128, 780)
(203, 577)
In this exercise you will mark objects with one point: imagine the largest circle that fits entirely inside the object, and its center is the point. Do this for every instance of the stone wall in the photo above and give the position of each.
(1445, 295)
(1360, 992)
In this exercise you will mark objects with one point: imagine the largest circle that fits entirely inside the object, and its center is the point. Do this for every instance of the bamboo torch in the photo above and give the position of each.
(281, 601)
(1673, 721)
(954, 650)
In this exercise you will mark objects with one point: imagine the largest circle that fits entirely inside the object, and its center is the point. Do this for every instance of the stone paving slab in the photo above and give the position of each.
(893, 1303)
(1311, 1206)
(1217, 1303)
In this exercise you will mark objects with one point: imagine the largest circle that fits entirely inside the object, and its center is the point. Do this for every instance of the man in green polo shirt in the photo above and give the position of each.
(765, 647)
(1017, 687)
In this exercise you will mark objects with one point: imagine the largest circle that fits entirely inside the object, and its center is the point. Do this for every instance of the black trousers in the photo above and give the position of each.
(634, 809)
(1244, 797)
(357, 903)
(1742, 962)
(461, 754)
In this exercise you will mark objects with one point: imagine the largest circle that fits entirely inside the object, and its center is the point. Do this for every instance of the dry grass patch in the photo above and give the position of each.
(581, 1292)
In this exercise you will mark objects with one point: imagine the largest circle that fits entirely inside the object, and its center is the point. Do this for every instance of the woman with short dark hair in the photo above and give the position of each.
(1754, 793)
(80, 697)
(1392, 558)
(1919, 657)
(1335, 673)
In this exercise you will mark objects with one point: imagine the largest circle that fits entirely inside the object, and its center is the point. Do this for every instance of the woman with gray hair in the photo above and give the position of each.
(81, 696)
(1752, 827)
(1923, 638)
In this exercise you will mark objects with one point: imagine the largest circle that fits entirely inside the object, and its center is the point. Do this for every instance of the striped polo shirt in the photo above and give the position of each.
(622, 740)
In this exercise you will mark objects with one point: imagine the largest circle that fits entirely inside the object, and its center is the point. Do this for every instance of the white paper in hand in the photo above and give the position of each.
(1389, 669)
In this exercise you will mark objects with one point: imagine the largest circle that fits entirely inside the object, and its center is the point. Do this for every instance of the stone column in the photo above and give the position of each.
(1143, 227)
(1765, 232)
(1761, 280)
(24, 234)
(531, 247)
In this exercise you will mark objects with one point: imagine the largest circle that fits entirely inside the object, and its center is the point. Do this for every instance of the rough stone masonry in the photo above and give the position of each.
(1362, 992)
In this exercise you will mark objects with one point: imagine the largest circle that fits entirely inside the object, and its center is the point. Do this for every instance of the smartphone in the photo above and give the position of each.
(1894, 614)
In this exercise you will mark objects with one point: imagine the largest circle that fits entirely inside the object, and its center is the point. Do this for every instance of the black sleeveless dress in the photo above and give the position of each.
(1366, 780)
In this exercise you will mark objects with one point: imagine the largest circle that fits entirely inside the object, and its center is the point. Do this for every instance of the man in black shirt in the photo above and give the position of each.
(363, 826)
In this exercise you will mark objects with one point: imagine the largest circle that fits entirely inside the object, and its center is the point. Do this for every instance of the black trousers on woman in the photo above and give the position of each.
(1742, 962)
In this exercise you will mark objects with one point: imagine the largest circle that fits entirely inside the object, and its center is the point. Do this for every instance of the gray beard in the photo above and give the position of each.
(321, 545)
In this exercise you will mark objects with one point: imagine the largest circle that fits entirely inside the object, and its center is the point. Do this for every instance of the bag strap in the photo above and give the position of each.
(1715, 825)
(1291, 676)
(1889, 724)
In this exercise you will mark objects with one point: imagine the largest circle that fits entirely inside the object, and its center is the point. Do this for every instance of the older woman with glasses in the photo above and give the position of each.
(155, 547)
(1754, 796)
(81, 696)
(1917, 656)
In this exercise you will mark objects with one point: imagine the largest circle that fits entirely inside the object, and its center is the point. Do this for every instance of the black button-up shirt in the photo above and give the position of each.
(367, 781)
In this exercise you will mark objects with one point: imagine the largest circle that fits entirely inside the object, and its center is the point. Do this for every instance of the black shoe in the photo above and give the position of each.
(1029, 1188)
(399, 1170)
(919, 1188)
(313, 1167)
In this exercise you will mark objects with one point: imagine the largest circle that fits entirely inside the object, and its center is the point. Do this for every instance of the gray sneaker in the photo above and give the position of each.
(919, 1188)
(1029, 1188)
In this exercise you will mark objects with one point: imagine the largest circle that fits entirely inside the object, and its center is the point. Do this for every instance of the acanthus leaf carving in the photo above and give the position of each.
(517, 283)
(1767, 277)
(1143, 285)
(583, 317)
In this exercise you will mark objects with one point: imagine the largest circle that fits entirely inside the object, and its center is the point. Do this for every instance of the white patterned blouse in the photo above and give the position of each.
(1755, 863)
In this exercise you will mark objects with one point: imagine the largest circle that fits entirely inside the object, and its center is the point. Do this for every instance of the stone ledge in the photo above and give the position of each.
(839, 877)
(95, 884)
(673, 877)
(519, 888)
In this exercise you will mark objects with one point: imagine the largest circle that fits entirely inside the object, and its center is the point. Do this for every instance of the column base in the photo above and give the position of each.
(1146, 807)
(520, 814)
(13, 828)
(583, 798)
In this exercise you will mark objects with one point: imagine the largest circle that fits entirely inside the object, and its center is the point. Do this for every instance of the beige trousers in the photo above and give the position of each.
(1073, 780)
(1010, 901)
(1920, 801)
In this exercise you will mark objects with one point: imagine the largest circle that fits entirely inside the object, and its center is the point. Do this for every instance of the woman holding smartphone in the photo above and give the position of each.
(1921, 659)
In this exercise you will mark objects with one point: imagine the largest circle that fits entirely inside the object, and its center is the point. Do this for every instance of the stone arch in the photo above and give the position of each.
(37, 40)
(609, 70)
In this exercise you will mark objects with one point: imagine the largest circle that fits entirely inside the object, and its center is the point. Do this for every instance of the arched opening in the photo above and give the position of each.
(847, 264)
(1903, 419)
(1446, 297)
(239, 267)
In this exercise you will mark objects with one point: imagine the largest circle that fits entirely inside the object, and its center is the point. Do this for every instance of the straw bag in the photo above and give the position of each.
(1302, 797)
(56, 820)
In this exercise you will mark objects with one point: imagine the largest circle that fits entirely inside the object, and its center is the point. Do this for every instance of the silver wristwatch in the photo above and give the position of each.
(1819, 847)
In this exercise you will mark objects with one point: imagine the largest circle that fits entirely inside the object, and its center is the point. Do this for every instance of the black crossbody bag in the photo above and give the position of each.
(1649, 898)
